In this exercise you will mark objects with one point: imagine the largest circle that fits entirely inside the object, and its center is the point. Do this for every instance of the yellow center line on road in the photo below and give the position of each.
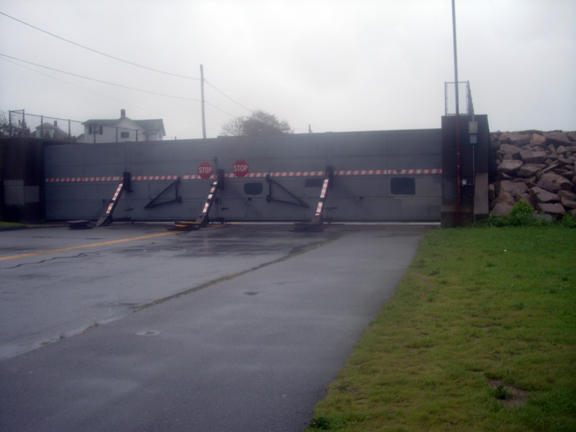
(83, 246)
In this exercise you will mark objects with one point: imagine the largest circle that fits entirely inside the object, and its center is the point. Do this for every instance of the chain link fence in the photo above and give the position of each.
(20, 123)
(23, 124)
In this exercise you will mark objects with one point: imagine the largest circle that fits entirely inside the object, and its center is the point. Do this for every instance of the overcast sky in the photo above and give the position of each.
(348, 65)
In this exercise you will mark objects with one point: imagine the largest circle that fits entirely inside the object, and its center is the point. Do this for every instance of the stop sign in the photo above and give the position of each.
(240, 168)
(205, 170)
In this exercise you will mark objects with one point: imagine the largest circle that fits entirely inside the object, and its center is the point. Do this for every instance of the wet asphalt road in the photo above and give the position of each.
(233, 328)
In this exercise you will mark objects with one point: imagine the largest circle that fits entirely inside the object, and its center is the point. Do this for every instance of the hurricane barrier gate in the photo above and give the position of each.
(377, 176)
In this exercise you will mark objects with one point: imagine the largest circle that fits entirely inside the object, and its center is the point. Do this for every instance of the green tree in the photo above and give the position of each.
(256, 124)
(19, 129)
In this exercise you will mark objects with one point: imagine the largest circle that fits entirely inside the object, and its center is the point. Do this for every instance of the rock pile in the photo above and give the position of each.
(538, 167)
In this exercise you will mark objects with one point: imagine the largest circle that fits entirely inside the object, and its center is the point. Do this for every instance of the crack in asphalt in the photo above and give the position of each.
(293, 252)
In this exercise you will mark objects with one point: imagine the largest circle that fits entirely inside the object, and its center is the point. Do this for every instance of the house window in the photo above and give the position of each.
(402, 186)
(95, 130)
(124, 134)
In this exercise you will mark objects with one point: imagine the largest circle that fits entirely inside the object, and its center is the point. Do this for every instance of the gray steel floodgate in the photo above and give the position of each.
(252, 353)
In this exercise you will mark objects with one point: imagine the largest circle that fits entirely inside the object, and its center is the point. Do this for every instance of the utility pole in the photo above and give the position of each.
(202, 93)
(455, 56)
(458, 156)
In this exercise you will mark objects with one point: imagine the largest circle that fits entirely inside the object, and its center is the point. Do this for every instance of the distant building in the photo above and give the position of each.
(122, 129)
(50, 131)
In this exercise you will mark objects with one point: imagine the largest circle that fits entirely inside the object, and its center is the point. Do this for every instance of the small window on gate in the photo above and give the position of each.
(314, 182)
(124, 134)
(253, 188)
(402, 186)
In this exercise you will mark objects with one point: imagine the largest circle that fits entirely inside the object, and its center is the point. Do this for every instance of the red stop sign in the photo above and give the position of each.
(205, 170)
(240, 168)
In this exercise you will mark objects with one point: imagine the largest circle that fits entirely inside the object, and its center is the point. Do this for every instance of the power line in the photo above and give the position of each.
(221, 92)
(214, 106)
(101, 95)
(98, 52)
(100, 81)
(121, 60)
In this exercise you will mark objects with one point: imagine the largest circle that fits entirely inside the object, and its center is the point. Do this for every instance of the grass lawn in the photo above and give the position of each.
(479, 336)
(10, 224)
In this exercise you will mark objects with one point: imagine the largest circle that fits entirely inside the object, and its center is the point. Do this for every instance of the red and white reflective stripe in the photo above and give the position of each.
(298, 174)
(205, 207)
(322, 197)
(82, 179)
(363, 172)
(210, 197)
(195, 177)
(251, 175)
(419, 171)
(389, 172)
(114, 198)
(324, 189)
(136, 178)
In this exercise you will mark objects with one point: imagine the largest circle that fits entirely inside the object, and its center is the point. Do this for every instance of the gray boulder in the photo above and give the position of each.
(567, 194)
(533, 157)
(552, 209)
(568, 203)
(558, 138)
(529, 170)
(513, 188)
(538, 140)
(510, 149)
(501, 209)
(560, 181)
(505, 198)
(509, 166)
(543, 196)
(548, 185)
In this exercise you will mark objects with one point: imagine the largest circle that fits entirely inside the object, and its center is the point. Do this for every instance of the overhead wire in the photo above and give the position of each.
(97, 80)
(238, 103)
(99, 52)
(96, 93)
(124, 61)
(221, 92)
(214, 106)
(7, 57)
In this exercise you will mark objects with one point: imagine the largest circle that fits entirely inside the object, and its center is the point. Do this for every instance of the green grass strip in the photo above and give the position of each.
(479, 336)
(10, 225)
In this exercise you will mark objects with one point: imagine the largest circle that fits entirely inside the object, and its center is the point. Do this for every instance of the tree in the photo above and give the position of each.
(256, 124)
(19, 130)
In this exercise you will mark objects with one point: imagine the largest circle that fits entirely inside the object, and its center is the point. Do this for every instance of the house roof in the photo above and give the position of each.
(149, 126)
(58, 133)
(101, 122)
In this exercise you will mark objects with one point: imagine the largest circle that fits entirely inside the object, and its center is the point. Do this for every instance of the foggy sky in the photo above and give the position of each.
(335, 65)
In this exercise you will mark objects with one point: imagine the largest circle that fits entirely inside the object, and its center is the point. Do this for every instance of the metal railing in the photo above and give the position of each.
(465, 98)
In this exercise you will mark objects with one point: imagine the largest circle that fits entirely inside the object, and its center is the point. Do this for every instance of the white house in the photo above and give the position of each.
(50, 131)
(122, 129)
